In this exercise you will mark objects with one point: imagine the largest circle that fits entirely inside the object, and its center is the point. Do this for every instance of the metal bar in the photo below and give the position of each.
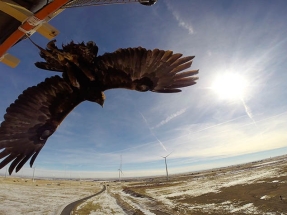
(86, 3)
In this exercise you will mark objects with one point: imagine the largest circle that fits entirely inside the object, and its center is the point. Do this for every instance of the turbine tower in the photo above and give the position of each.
(33, 173)
(166, 165)
(6, 171)
(120, 170)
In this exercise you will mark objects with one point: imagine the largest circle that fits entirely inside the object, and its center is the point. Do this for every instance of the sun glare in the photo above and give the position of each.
(229, 86)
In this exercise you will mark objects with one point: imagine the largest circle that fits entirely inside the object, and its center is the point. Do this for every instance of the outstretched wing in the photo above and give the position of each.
(140, 69)
(132, 68)
(32, 119)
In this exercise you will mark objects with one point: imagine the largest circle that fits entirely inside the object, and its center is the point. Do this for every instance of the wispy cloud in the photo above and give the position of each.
(172, 116)
(182, 23)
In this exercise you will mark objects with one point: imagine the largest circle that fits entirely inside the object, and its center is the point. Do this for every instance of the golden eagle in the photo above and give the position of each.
(39, 110)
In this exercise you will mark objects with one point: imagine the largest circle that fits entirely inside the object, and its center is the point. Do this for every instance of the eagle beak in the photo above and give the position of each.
(101, 103)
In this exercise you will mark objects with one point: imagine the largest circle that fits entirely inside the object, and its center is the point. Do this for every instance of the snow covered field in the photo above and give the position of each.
(254, 188)
(23, 196)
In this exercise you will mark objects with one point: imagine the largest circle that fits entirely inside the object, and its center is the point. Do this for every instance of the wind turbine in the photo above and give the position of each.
(120, 170)
(166, 165)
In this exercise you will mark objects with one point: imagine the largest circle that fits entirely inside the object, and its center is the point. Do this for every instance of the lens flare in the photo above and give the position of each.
(230, 86)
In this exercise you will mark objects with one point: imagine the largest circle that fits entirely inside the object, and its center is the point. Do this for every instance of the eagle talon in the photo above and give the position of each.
(51, 45)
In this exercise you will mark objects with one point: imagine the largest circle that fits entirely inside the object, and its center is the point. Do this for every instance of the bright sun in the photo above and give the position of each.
(230, 86)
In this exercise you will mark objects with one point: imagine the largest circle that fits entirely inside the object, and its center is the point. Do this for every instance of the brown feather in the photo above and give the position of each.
(185, 74)
(15, 162)
(173, 58)
(7, 160)
(181, 61)
(20, 165)
(181, 67)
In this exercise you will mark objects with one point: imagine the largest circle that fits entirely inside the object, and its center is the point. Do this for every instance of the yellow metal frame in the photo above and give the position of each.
(9, 60)
(30, 24)
(22, 14)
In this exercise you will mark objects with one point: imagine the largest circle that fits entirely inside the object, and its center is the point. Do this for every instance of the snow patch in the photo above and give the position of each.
(138, 203)
(244, 207)
(265, 197)
(104, 204)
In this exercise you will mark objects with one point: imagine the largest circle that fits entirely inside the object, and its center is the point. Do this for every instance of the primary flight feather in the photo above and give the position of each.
(39, 110)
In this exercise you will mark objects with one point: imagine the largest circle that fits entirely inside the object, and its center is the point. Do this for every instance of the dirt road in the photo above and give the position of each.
(67, 210)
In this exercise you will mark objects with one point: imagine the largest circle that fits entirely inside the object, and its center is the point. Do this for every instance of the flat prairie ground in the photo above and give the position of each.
(252, 188)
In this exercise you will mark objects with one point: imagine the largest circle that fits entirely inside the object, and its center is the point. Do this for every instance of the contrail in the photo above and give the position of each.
(247, 110)
(153, 134)
(180, 21)
(172, 116)
(206, 128)
(212, 126)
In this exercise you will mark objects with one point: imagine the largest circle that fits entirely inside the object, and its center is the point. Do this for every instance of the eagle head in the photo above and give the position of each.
(101, 100)
(96, 96)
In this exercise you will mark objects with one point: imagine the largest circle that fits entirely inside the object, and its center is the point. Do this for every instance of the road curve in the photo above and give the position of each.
(68, 209)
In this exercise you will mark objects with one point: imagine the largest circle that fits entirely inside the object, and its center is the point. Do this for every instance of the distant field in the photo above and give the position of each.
(253, 188)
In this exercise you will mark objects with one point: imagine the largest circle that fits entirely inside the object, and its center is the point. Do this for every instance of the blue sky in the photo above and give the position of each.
(201, 126)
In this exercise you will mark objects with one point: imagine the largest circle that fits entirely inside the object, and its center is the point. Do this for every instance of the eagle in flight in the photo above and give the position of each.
(39, 110)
